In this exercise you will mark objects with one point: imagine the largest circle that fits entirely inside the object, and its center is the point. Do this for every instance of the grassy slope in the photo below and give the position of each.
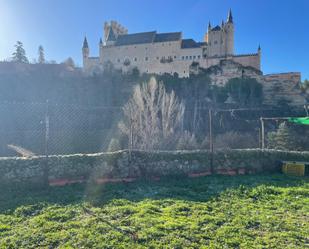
(209, 212)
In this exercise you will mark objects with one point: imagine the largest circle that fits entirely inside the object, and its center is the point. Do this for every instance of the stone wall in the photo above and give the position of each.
(283, 88)
(278, 89)
(120, 165)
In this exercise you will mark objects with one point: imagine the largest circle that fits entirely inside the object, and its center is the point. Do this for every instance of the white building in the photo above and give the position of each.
(160, 53)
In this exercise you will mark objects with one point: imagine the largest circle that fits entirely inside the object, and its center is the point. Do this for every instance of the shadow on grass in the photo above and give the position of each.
(197, 189)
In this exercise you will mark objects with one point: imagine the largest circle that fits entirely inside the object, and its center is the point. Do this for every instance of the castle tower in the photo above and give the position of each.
(85, 50)
(229, 38)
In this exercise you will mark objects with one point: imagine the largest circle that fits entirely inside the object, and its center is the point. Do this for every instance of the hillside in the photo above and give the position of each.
(84, 110)
(208, 212)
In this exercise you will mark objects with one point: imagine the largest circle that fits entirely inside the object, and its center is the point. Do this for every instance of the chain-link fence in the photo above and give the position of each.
(49, 129)
(46, 128)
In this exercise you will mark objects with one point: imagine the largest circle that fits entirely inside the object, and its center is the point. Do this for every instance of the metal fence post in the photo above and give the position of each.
(263, 133)
(46, 167)
(211, 145)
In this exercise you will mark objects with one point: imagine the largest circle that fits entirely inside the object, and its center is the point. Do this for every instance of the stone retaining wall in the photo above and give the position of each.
(104, 167)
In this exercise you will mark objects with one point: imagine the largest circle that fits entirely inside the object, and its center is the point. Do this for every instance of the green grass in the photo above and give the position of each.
(209, 212)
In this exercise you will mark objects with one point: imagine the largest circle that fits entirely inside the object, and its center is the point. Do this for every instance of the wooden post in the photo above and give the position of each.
(263, 133)
(211, 145)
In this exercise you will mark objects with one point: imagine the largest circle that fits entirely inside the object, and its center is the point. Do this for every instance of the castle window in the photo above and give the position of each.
(183, 57)
(158, 58)
(135, 59)
(175, 57)
(146, 58)
(187, 57)
(190, 57)
(199, 57)
(216, 42)
(184, 71)
(194, 56)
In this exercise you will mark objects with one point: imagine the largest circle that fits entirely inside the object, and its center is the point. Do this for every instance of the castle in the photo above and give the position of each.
(159, 53)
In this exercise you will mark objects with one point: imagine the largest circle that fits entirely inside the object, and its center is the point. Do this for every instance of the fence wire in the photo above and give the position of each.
(52, 129)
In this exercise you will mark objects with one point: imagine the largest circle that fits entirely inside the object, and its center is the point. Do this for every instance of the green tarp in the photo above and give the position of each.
(304, 121)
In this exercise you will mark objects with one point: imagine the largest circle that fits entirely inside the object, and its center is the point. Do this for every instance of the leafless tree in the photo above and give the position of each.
(153, 118)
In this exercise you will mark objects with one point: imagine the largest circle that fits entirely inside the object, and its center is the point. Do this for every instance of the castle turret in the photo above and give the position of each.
(101, 48)
(85, 50)
(230, 17)
(229, 29)
(206, 36)
(259, 56)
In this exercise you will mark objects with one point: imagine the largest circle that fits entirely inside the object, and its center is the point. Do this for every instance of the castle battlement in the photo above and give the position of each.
(159, 53)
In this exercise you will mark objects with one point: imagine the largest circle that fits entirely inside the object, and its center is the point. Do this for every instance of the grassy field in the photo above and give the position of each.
(208, 212)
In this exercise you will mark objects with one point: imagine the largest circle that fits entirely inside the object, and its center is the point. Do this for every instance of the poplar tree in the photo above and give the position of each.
(41, 53)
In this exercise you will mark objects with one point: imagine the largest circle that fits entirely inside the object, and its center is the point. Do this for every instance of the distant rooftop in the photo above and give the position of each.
(138, 38)
(189, 43)
(166, 37)
(147, 37)
(217, 28)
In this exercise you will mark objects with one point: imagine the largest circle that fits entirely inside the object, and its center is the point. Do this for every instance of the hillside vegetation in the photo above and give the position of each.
(208, 212)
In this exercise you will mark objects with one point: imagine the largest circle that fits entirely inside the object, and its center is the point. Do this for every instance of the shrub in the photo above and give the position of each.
(114, 145)
(187, 141)
(235, 140)
(245, 91)
(289, 137)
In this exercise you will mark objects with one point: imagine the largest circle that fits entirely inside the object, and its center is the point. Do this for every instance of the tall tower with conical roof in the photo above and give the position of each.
(85, 50)
(229, 30)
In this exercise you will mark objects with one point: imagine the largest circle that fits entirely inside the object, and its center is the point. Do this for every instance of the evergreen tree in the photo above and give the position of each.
(20, 54)
(41, 53)
(283, 139)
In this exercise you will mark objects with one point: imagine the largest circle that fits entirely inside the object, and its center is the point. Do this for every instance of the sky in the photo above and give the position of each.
(281, 27)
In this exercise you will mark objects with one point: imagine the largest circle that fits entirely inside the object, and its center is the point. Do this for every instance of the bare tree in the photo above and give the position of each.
(153, 118)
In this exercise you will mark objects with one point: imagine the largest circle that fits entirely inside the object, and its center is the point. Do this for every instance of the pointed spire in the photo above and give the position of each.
(230, 17)
(222, 24)
(85, 44)
(259, 48)
(111, 35)
(101, 42)
(209, 26)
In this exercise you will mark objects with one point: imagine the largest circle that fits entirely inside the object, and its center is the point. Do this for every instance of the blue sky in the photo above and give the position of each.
(281, 27)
